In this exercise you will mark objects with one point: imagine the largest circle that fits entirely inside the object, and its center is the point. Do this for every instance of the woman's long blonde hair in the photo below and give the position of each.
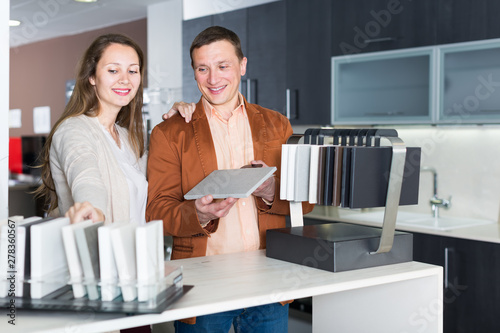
(84, 101)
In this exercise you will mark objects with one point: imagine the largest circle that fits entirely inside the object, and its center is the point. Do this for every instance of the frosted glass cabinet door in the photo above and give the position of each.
(394, 87)
(470, 83)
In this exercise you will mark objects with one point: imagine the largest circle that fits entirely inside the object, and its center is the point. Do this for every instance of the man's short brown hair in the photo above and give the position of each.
(215, 34)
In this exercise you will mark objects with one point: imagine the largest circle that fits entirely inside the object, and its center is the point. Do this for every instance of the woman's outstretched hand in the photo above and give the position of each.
(81, 211)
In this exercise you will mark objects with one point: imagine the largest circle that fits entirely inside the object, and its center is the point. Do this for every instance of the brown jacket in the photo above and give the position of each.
(181, 155)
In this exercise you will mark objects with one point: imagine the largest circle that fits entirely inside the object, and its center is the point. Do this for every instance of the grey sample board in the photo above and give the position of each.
(368, 176)
(234, 183)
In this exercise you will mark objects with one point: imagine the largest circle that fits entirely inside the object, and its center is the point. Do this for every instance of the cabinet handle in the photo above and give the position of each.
(292, 104)
(488, 111)
(249, 91)
(250, 97)
(380, 40)
(287, 108)
(448, 262)
(446, 266)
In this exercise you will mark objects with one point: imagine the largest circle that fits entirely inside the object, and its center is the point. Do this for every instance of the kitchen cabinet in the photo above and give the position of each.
(264, 82)
(471, 275)
(393, 87)
(465, 20)
(443, 84)
(288, 69)
(308, 80)
(470, 82)
(235, 21)
(471, 271)
(361, 26)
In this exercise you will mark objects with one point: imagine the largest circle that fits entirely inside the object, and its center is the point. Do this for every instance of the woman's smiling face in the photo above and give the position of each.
(117, 77)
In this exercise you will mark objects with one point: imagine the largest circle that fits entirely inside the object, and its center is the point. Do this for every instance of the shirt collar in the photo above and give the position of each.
(210, 110)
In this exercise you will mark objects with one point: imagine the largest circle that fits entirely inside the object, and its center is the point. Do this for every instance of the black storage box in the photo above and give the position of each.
(336, 247)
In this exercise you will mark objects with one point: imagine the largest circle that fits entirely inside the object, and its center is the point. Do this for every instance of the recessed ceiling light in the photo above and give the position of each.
(14, 23)
(86, 0)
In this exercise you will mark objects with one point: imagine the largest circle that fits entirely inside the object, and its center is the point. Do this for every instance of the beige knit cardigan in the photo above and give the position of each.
(84, 168)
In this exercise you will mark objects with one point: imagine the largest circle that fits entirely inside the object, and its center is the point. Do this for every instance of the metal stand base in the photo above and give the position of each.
(336, 247)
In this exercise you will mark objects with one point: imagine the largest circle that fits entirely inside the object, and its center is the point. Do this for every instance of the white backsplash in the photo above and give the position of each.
(467, 161)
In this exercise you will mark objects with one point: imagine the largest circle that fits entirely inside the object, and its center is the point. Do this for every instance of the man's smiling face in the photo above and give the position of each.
(218, 72)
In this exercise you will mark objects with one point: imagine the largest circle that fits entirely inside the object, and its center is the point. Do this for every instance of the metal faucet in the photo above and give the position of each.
(435, 201)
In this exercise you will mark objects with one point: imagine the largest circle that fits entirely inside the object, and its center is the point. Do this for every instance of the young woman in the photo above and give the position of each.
(94, 160)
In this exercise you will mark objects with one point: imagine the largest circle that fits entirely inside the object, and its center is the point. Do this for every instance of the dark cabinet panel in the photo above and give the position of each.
(266, 56)
(190, 29)
(308, 62)
(235, 21)
(471, 291)
(374, 25)
(465, 20)
(475, 289)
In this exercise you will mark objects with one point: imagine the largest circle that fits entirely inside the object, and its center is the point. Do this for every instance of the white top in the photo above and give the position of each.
(136, 180)
(485, 233)
(231, 281)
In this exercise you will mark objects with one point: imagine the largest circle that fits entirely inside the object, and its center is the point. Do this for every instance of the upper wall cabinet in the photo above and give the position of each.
(361, 26)
(469, 84)
(308, 40)
(393, 87)
(376, 25)
(264, 82)
(445, 84)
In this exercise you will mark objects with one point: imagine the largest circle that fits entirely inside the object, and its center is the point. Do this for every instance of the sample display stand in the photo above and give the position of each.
(341, 246)
(161, 294)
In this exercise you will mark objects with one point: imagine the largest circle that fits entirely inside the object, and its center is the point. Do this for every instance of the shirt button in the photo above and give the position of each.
(243, 203)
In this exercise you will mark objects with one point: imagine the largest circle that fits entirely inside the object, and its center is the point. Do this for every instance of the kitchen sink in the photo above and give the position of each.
(409, 219)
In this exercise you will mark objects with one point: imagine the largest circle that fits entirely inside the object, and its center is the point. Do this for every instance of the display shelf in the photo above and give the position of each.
(347, 247)
(161, 295)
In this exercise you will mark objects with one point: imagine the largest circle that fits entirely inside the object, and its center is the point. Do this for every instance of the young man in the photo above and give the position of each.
(225, 132)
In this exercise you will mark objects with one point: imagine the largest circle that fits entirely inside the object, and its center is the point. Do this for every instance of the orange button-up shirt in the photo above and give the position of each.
(238, 231)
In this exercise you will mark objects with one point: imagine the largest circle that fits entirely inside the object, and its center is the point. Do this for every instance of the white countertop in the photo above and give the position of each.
(486, 232)
(226, 282)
